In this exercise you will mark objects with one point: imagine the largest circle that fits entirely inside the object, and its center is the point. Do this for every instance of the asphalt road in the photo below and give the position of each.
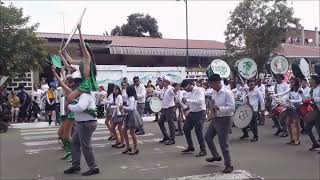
(33, 153)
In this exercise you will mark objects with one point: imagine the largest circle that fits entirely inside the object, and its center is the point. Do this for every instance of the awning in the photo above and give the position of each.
(143, 51)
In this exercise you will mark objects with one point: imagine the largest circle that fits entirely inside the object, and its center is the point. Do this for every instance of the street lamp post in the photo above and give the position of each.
(187, 34)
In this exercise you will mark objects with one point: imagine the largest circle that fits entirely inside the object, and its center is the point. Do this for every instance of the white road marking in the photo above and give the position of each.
(53, 131)
(235, 175)
(46, 136)
(180, 147)
(49, 129)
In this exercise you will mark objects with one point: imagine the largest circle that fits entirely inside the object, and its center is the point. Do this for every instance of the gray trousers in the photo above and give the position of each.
(167, 115)
(81, 141)
(220, 126)
(140, 109)
(195, 119)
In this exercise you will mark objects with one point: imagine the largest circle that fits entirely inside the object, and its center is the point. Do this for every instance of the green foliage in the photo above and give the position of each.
(20, 49)
(138, 25)
(258, 27)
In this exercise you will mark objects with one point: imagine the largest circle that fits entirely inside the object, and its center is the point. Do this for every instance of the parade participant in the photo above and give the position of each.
(133, 121)
(208, 98)
(51, 105)
(149, 89)
(167, 112)
(99, 97)
(117, 118)
(315, 96)
(262, 88)
(224, 107)
(141, 95)
(159, 87)
(87, 68)
(15, 103)
(37, 92)
(124, 86)
(254, 98)
(86, 124)
(67, 121)
(280, 87)
(108, 102)
(196, 116)
(305, 93)
(178, 97)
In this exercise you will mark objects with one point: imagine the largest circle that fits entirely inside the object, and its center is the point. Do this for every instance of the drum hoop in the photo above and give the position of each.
(247, 105)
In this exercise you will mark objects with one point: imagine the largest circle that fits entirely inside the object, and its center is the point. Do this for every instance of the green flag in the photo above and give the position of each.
(56, 61)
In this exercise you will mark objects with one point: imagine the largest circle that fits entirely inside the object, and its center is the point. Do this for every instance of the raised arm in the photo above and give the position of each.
(85, 53)
(62, 84)
(69, 58)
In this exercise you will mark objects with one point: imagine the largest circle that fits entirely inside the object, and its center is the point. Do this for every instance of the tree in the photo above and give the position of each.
(138, 25)
(20, 49)
(258, 27)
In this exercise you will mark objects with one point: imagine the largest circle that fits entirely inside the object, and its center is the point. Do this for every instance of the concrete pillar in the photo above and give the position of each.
(317, 36)
(302, 36)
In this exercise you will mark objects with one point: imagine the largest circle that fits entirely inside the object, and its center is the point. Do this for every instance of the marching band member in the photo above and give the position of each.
(196, 116)
(178, 98)
(254, 98)
(315, 84)
(280, 87)
(305, 89)
(208, 98)
(293, 119)
(141, 95)
(262, 88)
(108, 101)
(223, 108)
(167, 113)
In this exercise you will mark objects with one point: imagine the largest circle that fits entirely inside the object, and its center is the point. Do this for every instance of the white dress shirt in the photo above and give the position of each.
(118, 102)
(179, 96)
(316, 96)
(280, 90)
(108, 101)
(255, 96)
(196, 99)
(224, 99)
(131, 105)
(141, 93)
(86, 101)
(45, 87)
(305, 93)
(262, 89)
(124, 96)
(208, 92)
(167, 97)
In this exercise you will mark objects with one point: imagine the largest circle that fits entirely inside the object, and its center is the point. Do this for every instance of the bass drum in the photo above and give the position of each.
(155, 104)
(243, 116)
(246, 67)
(317, 68)
(277, 65)
(300, 68)
(220, 67)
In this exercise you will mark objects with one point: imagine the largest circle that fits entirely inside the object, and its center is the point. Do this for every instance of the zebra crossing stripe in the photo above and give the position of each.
(52, 131)
(49, 129)
(235, 175)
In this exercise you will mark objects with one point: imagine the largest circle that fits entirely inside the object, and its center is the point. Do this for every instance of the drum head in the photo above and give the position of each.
(220, 67)
(155, 104)
(300, 68)
(243, 116)
(279, 65)
(247, 68)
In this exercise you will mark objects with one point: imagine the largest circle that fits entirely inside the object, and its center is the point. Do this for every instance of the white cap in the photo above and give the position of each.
(167, 78)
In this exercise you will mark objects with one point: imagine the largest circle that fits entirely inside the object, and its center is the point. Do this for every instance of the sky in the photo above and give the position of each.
(207, 19)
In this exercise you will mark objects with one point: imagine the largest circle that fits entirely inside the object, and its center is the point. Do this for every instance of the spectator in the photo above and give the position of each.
(141, 100)
(34, 109)
(99, 97)
(149, 89)
(37, 92)
(15, 103)
(51, 105)
(44, 85)
(24, 104)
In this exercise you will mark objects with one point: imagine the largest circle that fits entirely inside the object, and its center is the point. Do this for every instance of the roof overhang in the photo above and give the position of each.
(147, 51)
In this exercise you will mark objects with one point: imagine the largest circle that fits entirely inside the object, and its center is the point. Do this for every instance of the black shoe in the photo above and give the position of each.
(72, 170)
(189, 149)
(111, 138)
(179, 134)
(120, 146)
(164, 140)
(213, 159)
(278, 132)
(228, 169)
(140, 133)
(135, 152)
(244, 137)
(127, 151)
(115, 145)
(91, 172)
(170, 142)
(201, 153)
(254, 139)
(314, 146)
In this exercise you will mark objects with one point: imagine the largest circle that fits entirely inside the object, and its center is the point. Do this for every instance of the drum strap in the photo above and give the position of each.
(276, 88)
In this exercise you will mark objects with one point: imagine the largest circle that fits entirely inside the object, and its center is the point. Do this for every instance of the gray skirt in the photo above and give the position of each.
(133, 120)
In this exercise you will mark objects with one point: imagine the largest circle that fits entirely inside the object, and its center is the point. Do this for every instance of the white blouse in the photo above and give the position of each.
(131, 105)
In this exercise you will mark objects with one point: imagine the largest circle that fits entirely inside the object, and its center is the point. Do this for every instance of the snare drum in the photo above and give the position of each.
(155, 104)
(308, 111)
